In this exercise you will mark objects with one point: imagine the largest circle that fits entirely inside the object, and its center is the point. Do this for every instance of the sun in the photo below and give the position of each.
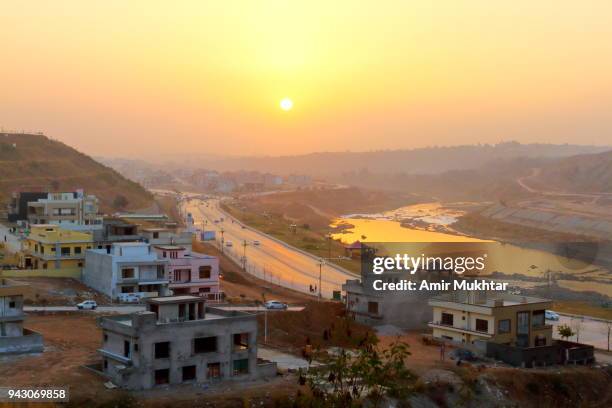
(286, 104)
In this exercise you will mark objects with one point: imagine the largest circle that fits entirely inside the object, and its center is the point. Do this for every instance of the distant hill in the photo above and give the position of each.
(35, 162)
(589, 173)
(430, 160)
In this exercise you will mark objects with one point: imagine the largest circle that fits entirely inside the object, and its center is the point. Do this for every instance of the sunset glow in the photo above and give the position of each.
(401, 74)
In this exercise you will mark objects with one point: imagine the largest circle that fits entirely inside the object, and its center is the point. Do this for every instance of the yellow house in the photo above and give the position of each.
(51, 247)
(507, 319)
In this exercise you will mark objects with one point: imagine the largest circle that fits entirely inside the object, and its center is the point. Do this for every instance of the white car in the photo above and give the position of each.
(87, 304)
(550, 315)
(275, 304)
(256, 243)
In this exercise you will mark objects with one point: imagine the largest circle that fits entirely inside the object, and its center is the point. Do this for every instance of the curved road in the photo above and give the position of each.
(270, 260)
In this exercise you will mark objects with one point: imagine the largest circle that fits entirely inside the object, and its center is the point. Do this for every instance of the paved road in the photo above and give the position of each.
(12, 241)
(137, 308)
(270, 260)
(591, 331)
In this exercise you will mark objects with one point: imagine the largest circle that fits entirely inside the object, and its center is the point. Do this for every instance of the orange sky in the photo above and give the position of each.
(141, 77)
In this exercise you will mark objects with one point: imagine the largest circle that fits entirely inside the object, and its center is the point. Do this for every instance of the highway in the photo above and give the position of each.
(271, 260)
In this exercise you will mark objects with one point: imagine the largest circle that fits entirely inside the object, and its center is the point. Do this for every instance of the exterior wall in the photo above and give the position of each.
(104, 271)
(13, 337)
(69, 210)
(142, 336)
(50, 247)
(184, 272)
(98, 272)
(465, 316)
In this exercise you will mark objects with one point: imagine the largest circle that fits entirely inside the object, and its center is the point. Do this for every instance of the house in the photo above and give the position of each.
(507, 327)
(14, 338)
(129, 268)
(353, 250)
(167, 236)
(191, 273)
(115, 230)
(48, 246)
(73, 210)
(18, 206)
(465, 317)
(178, 339)
(375, 307)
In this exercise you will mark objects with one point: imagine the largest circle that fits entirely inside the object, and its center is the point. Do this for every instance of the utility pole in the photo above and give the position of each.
(329, 239)
(321, 263)
(221, 231)
(263, 295)
(244, 245)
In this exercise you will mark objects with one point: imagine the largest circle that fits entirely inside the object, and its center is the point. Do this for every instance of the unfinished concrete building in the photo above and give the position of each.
(180, 340)
(14, 338)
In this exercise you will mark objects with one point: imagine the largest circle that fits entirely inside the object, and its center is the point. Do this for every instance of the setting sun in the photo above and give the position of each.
(286, 104)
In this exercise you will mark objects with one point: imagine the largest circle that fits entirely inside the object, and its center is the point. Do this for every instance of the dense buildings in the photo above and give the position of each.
(180, 340)
(48, 246)
(14, 338)
(128, 268)
(191, 273)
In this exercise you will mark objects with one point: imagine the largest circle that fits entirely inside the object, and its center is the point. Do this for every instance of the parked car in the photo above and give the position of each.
(129, 298)
(256, 243)
(87, 304)
(229, 244)
(275, 304)
(550, 315)
(463, 355)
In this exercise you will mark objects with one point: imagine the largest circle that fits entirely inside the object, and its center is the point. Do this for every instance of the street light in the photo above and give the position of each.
(221, 231)
(329, 239)
(244, 245)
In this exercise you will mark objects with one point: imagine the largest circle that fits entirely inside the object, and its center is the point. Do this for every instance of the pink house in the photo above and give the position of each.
(191, 273)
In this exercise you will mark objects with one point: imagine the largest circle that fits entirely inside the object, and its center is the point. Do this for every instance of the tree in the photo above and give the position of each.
(370, 374)
(565, 331)
(120, 202)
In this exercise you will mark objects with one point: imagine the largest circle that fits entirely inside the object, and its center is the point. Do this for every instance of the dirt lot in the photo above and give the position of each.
(58, 292)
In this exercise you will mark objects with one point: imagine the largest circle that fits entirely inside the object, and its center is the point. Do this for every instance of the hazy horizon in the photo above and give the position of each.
(146, 79)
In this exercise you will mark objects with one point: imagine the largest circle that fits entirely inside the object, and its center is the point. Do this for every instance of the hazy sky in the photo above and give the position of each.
(131, 78)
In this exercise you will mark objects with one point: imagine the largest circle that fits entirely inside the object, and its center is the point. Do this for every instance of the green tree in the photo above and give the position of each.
(565, 331)
(350, 378)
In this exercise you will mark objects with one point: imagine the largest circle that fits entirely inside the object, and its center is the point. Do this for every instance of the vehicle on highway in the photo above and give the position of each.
(87, 304)
(463, 355)
(229, 244)
(275, 304)
(256, 243)
(550, 315)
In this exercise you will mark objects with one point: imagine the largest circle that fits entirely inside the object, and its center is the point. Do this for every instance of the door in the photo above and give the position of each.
(522, 329)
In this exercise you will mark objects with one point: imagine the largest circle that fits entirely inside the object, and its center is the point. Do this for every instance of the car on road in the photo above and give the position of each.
(550, 315)
(87, 304)
(256, 243)
(229, 244)
(275, 304)
(463, 355)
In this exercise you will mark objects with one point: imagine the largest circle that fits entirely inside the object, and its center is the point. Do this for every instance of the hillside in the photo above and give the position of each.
(35, 162)
(590, 173)
(430, 160)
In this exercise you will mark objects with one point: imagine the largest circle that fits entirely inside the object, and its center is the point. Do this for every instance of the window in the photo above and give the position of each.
(105, 337)
(12, 304)
(205, 271)
(155, 235)
(447, 319)
(162, 376)
(373, 308)
(204, 345)
(482, 325)
(189, 373)
(540, 340)
(162, 350)
(77, 250)
(503, 326)
(127, 289)
(241, 341)
(126, 348)
(241, 366)
(127, 273)
(105, 364)
(214, 370)
(65, 251)
(538, 319)
(161, 272)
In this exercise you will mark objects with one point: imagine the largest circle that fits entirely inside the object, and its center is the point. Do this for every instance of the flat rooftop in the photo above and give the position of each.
(174, 299)
(488, 299)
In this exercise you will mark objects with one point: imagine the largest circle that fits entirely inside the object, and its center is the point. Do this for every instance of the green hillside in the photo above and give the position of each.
(34, 162)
